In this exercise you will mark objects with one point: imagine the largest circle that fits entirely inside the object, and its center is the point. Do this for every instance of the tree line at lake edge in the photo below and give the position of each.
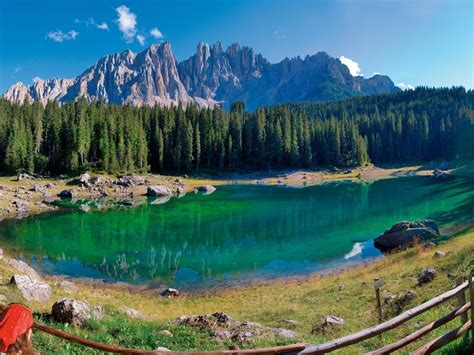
(412, 126)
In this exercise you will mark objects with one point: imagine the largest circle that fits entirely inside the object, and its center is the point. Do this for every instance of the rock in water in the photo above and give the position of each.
(438, 173)
(206, 189)
(31, 288)
(404, 234)
(158, 190)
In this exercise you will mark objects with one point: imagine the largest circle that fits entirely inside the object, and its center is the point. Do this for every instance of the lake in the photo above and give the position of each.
(237, 234)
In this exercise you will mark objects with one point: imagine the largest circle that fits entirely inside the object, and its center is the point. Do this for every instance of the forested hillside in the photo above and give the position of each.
(420, 125)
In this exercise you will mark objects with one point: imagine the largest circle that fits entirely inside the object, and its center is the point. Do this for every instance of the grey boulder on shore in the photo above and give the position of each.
(158, 190)
(404, 234)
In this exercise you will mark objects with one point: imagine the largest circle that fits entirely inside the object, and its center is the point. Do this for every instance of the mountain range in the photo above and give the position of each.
(212, 76)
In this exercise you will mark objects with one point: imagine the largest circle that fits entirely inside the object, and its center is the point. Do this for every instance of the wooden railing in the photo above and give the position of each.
(462, 312)
(428, 348)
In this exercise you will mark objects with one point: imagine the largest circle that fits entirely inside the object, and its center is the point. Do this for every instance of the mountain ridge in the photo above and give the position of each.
(212, 76)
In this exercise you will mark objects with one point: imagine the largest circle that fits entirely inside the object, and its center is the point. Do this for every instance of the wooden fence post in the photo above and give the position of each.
(471, 294)
(378, 283)
(461, 301)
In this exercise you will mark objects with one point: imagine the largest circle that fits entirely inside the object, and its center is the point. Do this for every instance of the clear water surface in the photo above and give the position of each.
(237, 233)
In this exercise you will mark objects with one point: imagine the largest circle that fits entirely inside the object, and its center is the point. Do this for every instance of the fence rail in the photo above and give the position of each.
(461, 312)
(345, 341)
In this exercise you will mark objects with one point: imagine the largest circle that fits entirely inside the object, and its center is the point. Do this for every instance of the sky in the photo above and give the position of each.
(415, 42)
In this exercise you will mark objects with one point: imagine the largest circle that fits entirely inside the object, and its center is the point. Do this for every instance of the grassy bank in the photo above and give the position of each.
(305, 300)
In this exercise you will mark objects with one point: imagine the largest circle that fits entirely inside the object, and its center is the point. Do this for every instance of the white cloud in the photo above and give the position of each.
(103, 26)
(141, 39)
(127, 22)
(37, 78)
(73, 34)
(156, 33)
(92, 23)
(404, 86)
(18, 69)
(353, 66)
(60, 36)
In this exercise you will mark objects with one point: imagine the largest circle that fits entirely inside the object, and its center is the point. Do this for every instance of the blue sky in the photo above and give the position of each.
(416, 42)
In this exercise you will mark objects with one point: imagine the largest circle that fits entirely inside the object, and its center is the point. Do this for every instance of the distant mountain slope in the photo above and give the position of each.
(209, 77)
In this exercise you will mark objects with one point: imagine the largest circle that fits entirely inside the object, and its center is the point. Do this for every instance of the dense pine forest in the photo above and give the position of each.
(412, 126)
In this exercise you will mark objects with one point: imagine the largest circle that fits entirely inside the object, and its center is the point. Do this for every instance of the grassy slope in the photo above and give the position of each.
(306, 300)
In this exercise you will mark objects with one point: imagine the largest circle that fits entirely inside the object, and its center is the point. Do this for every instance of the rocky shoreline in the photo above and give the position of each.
(27, 195)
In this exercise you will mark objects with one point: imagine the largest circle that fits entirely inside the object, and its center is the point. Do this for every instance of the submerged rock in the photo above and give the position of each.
(438, 173)
(160, 200)
(206, 189)
(404, 234)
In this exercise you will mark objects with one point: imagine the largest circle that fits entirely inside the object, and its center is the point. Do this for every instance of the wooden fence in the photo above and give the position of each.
(462, 312)
(464, 308)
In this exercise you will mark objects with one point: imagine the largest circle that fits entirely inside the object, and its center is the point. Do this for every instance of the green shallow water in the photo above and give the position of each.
(236, 234)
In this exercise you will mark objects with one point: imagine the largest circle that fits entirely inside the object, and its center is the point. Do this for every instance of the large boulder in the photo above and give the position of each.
(158, 190)
(130, 181)
(84, 179)
(71, 311)
(404, 234)
(23, 267)
(31, 288)
(75, 312)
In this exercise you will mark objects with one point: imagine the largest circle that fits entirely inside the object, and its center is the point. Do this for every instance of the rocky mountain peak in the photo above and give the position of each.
(211, 76)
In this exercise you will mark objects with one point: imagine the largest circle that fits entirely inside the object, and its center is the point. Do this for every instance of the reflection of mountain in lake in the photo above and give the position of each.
(235, 231)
